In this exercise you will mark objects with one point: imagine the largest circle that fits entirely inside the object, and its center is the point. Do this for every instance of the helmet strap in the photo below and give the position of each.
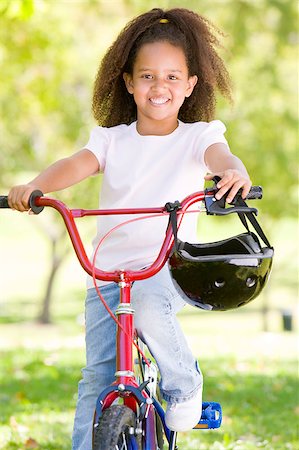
(172, 209)
(250, 216)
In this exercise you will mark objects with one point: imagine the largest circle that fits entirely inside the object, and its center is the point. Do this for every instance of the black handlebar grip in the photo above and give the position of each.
(256, 192)
(33, 196)
(4, 201)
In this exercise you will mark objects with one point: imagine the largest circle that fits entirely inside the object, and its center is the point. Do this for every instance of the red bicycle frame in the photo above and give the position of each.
(124, 363)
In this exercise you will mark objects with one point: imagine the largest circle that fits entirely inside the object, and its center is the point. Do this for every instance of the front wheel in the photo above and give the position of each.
(116, 430)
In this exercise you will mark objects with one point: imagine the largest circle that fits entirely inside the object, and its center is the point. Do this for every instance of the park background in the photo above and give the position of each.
(49, 54)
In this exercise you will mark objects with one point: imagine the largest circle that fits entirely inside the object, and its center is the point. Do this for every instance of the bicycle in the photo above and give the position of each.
(138, 422)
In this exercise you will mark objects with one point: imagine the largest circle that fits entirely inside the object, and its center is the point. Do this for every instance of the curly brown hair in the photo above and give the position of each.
(113, 105)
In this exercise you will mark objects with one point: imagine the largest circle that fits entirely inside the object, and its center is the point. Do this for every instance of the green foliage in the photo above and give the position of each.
(263, 125)
(39, 95)
(21, 9)
(49, 53)
(48, 58)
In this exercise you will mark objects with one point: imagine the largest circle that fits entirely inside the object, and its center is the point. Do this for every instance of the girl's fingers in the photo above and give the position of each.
(232, 185)
(18, 198)
(246, 189)
(231, 181)
(222, 191)
(224, 185)
(233, 191)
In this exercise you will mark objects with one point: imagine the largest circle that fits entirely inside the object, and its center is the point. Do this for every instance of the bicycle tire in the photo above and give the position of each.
(113, 430)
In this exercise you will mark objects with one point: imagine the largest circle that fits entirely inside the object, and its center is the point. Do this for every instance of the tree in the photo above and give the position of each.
(49, 55)
(42, 100)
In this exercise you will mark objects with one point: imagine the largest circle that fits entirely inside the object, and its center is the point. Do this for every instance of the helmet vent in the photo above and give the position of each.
(250, 282)
(220, 283)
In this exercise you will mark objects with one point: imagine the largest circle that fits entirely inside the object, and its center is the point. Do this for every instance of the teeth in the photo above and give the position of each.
(159, 100)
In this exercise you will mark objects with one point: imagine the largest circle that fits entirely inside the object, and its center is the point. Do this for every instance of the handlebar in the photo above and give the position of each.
(255, 193)
(32, 201)
(37, 203)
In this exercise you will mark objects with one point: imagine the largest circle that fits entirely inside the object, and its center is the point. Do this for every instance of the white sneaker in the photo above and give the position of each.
(184, 416)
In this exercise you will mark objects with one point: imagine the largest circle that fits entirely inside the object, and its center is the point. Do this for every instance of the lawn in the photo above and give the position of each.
(254, 377)
(252, 373)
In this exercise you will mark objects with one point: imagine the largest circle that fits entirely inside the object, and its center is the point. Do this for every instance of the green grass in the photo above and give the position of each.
(259, 400)
(37, 400)
(253, 374)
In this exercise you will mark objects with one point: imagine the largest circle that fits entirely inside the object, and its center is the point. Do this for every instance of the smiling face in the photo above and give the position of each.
(159, 83)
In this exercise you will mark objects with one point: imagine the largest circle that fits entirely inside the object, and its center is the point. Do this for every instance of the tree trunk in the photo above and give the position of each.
(56, 261)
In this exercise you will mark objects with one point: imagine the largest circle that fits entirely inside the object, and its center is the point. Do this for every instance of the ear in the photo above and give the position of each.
(128, 82)
(191, 84)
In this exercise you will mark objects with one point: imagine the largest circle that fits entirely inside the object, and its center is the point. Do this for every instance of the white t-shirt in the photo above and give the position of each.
(147, 171)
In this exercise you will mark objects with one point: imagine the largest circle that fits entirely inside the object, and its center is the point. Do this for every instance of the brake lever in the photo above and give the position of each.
(218, 207)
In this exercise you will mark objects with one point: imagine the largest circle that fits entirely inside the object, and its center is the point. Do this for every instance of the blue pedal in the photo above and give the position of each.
(211, 416)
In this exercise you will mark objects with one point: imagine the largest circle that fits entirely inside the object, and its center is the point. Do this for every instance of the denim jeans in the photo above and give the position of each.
(156, 302)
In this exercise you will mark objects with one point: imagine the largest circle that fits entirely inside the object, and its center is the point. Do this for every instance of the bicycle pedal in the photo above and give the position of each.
(211, 416)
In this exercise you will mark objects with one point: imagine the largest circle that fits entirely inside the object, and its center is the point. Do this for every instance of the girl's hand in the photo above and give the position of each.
(18, 197)
(231, 181)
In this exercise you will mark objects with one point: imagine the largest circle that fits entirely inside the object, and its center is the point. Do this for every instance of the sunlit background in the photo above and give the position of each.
(49, 54)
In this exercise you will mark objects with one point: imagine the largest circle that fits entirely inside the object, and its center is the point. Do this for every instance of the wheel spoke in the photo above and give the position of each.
(123, 443)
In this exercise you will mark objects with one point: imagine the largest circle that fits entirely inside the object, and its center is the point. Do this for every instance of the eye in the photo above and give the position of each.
(147, 76)
(172, 77)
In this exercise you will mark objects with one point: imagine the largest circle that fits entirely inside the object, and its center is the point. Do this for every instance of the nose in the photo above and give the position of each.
(159, 83)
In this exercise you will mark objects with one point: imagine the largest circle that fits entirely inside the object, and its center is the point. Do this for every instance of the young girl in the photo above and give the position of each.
(154, 99)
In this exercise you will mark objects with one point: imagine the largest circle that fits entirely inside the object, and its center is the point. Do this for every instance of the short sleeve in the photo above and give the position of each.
(98, 144)
(211, 133)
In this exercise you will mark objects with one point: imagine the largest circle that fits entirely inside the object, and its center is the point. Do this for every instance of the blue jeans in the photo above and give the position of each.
(156, 302)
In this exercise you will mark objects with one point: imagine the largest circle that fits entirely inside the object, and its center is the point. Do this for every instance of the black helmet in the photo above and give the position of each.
(223, 275)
